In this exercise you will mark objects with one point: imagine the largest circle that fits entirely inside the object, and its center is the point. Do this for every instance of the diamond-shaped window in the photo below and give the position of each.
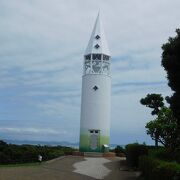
(97, 37)
(97, 46)
(95, 88)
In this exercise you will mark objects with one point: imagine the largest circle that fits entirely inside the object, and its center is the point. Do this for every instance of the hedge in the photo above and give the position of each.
(13, 154)
(133, 152)
(158, 170)
(161, 153)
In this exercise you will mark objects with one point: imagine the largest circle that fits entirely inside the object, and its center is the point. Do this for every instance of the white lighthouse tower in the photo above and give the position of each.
(96, 93)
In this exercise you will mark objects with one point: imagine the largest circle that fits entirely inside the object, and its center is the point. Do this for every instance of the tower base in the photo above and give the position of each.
(94, 154)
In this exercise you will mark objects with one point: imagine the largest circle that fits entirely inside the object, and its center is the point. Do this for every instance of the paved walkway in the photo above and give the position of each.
(93, 167)
(70, 168)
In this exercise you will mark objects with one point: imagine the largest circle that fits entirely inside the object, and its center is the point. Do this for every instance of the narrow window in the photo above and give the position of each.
(88, 57)
(96, 56)
(105, 57)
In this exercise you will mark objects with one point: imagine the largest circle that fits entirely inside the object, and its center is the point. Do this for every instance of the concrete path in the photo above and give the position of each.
(70, 168)
(93, 167)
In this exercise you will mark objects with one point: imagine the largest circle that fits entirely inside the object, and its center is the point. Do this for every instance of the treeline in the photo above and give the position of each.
(13, 154)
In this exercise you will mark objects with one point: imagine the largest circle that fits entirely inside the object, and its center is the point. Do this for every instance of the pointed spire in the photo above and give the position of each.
(97, 43)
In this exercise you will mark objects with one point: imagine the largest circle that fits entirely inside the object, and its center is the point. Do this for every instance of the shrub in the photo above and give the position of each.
(4, 159)
(119, 149)
(55, 154)
(177, 155)
(158, 170)
(161, 153)
(3, 145)
(12, 154)
(133, 152)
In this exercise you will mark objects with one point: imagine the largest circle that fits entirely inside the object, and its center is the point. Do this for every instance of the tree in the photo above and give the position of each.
(165, 126)
(171, 64)
(3, 145)
(155, 102)
(118, 149)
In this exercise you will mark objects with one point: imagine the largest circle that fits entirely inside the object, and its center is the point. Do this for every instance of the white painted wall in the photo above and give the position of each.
(95, 105)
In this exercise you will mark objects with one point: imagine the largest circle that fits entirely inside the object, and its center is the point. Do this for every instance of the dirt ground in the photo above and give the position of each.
(62, 169)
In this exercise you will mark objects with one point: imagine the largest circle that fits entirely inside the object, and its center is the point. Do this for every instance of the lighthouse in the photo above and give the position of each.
(96, 93)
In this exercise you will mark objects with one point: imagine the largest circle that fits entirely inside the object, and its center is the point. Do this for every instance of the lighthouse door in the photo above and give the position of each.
(94, 139)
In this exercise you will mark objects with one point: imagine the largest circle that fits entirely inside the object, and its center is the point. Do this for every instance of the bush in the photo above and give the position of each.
(119, 149)
(4, 158)
(158, 170)
(56, 154)
(177, 155)
(133, 152)
(13, 154)
(161, 153)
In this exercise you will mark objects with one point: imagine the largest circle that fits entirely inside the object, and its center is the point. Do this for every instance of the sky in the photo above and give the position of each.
(42, 44)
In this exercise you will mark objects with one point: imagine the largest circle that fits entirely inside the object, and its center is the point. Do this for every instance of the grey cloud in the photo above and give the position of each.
(42, 45)
(15, 130)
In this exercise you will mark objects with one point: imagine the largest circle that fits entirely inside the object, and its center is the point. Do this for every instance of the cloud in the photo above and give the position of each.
(41, 57)
(31, 131)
